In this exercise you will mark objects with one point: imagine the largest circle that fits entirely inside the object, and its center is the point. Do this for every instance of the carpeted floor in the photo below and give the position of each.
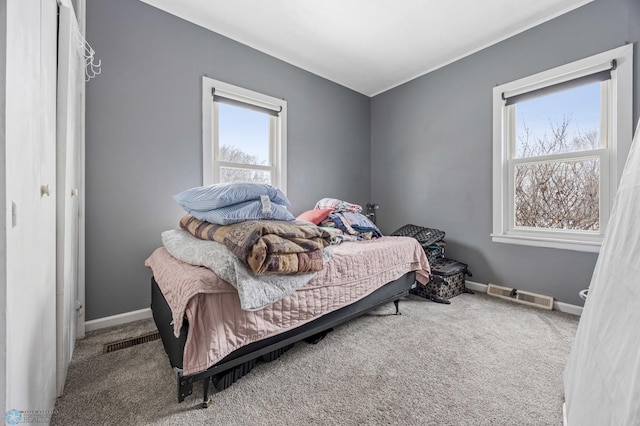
(478, 361)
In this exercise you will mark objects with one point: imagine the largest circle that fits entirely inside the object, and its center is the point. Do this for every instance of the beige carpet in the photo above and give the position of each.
(478, 361)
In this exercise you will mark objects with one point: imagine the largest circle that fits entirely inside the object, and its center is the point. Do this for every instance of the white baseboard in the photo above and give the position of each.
(472, 285)
(119, 319)
(558, 306)
(564, 414)
(567, 308)
(141, 314)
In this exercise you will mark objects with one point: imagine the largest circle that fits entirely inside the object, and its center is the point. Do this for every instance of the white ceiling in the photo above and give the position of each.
(368, 45)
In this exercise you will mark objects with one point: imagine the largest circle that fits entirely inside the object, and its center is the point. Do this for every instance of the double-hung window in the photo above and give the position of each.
(560, 139)
(244, 135)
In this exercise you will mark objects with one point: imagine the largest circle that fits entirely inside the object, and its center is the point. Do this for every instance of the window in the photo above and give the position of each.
(244, 135)
(560, 140)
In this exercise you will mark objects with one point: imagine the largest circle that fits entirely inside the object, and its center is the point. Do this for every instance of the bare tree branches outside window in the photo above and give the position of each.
(235, 155)
(562, 194)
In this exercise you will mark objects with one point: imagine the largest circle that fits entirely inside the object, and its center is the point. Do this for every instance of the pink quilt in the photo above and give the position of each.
(217, 325)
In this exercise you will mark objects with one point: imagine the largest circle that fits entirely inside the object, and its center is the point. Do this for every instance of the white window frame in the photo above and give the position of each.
(278, 132)
(618, 136)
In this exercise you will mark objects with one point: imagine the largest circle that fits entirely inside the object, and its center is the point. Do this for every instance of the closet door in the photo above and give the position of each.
(31, 203)
(69, 138)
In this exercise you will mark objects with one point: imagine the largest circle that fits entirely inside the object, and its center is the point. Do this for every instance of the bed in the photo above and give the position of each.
(208, 337)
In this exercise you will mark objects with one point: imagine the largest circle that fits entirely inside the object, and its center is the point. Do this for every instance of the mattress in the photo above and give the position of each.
(217, 324)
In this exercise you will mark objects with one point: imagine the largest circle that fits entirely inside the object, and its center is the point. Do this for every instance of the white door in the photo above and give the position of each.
(68, 175)
(31, 200)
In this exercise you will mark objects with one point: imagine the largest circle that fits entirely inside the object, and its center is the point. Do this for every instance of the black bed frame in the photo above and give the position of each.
(241, 361)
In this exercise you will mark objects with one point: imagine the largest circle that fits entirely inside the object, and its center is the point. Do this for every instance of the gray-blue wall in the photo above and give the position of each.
(144, 137)
(422, 150)
(431, 147)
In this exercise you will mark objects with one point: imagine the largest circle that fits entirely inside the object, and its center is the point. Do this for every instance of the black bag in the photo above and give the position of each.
(425, 236)
(435, 252)
(430, 239)
(447, 281)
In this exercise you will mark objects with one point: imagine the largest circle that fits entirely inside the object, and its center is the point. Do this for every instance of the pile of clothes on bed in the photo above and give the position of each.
(344, 221)
(253, 222)
(246, 235)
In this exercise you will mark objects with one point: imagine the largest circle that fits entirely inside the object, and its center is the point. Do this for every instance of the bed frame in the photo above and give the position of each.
(239, 362)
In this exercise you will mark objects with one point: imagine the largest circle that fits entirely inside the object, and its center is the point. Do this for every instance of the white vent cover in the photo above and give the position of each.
(521, 296)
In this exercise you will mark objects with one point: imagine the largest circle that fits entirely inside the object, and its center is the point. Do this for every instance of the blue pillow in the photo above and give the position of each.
(211, 197)
(249, 210)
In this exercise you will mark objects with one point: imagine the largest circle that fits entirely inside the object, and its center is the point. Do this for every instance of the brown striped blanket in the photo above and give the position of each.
(267, 246)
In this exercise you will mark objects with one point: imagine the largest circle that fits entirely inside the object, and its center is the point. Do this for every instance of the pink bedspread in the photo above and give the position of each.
(217, 325)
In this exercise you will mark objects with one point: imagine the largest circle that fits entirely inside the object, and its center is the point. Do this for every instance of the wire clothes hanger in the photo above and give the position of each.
(92, 67)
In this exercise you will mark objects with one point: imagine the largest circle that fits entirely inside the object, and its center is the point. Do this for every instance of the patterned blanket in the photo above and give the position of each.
(255, 291)
(267, 246)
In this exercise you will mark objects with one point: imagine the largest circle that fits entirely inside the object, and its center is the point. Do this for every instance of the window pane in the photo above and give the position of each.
(565, 121)
(558, 195)
(243, 135)
(229, 174)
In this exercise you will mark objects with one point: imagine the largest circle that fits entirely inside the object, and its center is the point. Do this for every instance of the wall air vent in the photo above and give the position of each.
(521, 296)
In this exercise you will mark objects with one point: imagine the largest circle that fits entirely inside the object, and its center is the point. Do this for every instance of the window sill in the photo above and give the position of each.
(533, 241)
